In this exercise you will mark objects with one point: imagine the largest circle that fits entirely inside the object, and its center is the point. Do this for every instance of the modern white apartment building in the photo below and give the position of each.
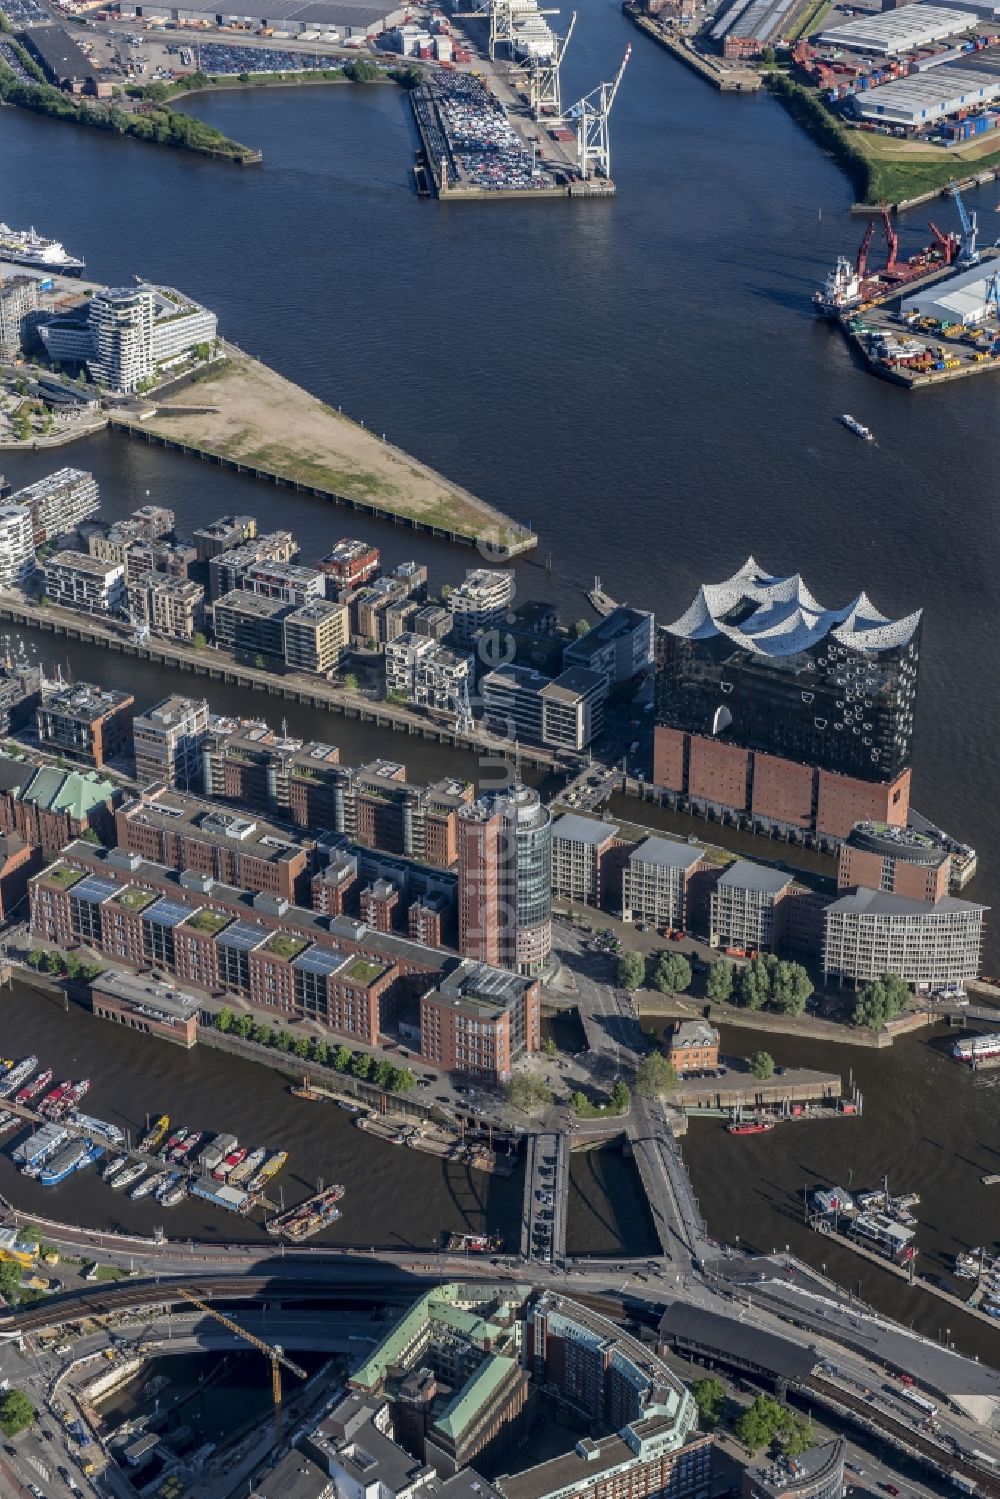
(76, 580)
(565, 712)
(132, 333)
(426, 672)
(17, 545)
(868, 933)
(480, 602)
(745, 903)
(59, 502)
(655, 881)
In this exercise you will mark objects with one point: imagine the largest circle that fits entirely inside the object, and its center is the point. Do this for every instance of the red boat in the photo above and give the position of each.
(54, 1099)
(230, 1163)
(31, 1090)
(753, 1127)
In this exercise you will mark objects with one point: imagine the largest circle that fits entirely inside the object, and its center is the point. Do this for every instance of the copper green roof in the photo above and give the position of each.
(474, 1394)
(73, 791)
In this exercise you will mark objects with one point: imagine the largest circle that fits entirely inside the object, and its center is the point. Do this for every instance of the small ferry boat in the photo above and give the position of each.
(473, 1243)
(192, 1142)
(750, 1127)
(49, 1105)
(116, 1164)
(129, 1176)
(858, 428)
(149, 1184)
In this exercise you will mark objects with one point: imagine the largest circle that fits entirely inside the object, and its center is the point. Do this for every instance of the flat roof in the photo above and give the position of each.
(59, 52)
(744, 875)
(666, 851)
(784, 1475)
(576, 829)
(899, 30)
(619, 622)
(295, 1477)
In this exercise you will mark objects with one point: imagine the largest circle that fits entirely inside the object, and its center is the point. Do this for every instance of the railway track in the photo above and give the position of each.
(937, 1454)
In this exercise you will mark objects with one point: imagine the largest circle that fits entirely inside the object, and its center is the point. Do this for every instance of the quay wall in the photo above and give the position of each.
(738, 81)
(502, 550)
(220, 666)
(658, 1007)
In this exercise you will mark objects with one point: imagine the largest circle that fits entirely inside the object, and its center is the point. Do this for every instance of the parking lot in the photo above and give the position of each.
(478, 142)
(23, 13)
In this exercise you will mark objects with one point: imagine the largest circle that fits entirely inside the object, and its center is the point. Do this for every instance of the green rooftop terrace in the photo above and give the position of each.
(207, 921)
(282, 945)
(63, 876)
(134, 899)
(362, 971)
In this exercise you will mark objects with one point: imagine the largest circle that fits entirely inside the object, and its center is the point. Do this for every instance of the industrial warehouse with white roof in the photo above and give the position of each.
(896, 31)
(928, 96)
(959, 299)
(348, 18)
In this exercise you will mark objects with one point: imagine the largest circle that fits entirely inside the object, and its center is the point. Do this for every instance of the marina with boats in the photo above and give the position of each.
(167, 1165)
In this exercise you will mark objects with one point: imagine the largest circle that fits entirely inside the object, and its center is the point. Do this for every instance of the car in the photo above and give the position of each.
(10, 1449)
(34, 1489)
(891, 1488)
(441, 1098)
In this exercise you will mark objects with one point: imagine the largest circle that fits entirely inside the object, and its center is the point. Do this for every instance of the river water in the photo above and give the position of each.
(640, 379)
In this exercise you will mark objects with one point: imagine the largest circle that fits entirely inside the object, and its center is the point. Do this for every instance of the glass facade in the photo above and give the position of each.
(828, 705)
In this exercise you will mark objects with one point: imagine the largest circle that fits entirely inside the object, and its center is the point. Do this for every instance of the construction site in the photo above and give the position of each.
(502, 129)
(928, 318)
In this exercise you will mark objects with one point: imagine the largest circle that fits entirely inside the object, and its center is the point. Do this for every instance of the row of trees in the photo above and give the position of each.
(359, 1064)
(766, 982)
(164, 126)
(63, 965)
(671, 973)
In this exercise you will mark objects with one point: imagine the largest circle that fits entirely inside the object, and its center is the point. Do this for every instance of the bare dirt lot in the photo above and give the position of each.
(245, 411)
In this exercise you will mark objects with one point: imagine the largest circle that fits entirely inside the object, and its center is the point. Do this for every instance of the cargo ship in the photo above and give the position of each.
(31, 1090)
(75, 1157)
(973, 1049)
(26, 247)
(750, 1127)
(153, 1136)
(841, 291)
(309, 1217)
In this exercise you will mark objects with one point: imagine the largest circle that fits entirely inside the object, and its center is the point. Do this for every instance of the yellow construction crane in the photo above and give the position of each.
(279, 1359)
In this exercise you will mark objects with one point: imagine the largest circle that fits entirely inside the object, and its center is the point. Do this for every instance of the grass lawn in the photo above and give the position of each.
(898, 169)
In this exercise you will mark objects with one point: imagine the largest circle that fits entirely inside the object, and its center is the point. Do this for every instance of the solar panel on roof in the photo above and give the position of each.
(166, 913)
(319, 960)
(93, 888)
(242, 934)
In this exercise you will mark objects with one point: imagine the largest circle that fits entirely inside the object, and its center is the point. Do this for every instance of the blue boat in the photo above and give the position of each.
(76, 1157)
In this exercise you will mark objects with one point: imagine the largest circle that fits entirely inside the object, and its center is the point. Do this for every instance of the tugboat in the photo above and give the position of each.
(858, 428)
(841, 291)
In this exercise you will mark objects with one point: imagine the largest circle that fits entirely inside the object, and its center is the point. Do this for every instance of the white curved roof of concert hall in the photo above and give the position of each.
(787, 618)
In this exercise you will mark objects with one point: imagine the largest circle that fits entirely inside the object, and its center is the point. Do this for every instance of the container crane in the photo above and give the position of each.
(968, 252)
(946, 243)
(589, 116)
(861, 263)
(544, 93)
(891, 243)
(279, 1359)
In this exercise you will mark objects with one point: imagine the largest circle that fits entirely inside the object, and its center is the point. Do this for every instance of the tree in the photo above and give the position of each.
(199, 640)
(656, 1077)
(73, 966)
(350, 681)
(244, 1027)
(382, 1073)
(224, 1020)
(796, 1435)
(760, 1423)
(404, 1080)
(549, 1046)
(361, 70)
(302, 1046)
(53, 962)
(362, 1065)
(261, 1034)
(320, 1051)
(768, 57)
(673, 973)
(283, 1041)
(259, 661)
(621, 1098)
(719, 984)
(36, 957)
(755, 984)
(791, 986)
(342, 1058)
(16, 1413)
(762, 1065)
(631, 970)
(529, 1092)
(10, 1280)
(31, 1234)
(580, 628)
(881, 1001)
(709, 1396)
